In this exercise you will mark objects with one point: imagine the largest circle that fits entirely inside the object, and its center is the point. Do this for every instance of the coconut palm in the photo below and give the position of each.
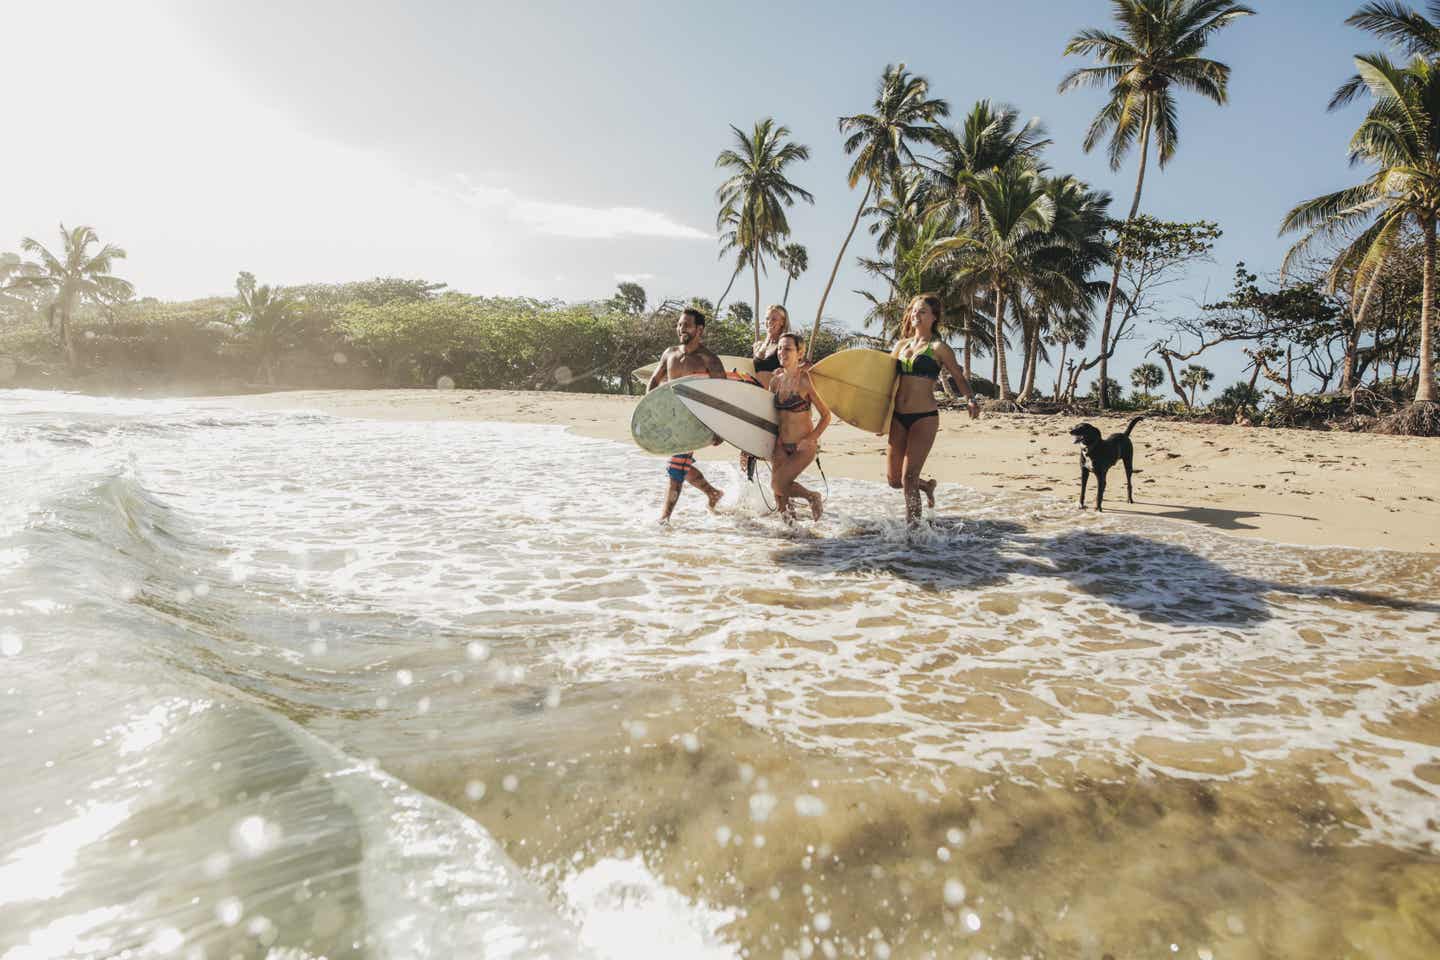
(1415, 34)
(794, 260)
(1069, 329)
(881, 143)
(267, 317)
(1013, 208)
(1157, 49)
(76, 276)
(1196, 378)
(989, 136)
(1147, 377)
(1060, 262)
(1400, 139)
(757, 192)
(730, 242)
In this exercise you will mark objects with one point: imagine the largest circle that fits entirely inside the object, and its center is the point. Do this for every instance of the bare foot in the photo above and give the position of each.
(714, 494)
(817, 505)
(927, 487)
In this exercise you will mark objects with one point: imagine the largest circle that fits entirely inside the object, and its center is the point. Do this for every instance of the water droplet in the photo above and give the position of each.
(954, 893)
(552, 697)
(955, 836)
(563, 375)
(972, 920)
(511, 783)
(445, 383)
(339, 359)
(808, 806)
(761, 806)
(166, 940)
(822, 922)
(476, 650)
(474, 789)
(229, 911)
(254, 835)
(11, 644)
(404, 677)
(690, 742)
(722, 835)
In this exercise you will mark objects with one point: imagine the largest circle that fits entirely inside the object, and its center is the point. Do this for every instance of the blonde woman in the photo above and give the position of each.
(767, 352)
(919, 355)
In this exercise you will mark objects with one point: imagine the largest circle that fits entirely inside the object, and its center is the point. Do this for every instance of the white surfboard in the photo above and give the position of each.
(739, 413)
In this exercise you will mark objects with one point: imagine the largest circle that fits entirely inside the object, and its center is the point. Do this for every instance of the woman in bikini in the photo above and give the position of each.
(767, 352)
(798, 441)
(919, 356)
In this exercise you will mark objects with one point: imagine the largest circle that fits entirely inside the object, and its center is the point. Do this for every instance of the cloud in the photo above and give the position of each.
(573, 220)
(634, 277)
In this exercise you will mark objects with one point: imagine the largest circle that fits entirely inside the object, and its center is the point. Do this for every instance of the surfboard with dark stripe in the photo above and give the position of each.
(741, 414)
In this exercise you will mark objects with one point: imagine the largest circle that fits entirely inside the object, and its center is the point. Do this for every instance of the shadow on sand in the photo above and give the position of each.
(1158, 582)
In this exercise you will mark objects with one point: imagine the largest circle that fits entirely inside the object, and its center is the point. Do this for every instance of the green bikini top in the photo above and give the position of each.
(923, 364)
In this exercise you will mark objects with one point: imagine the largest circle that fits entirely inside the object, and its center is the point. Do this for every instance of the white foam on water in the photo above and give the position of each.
(625, 912)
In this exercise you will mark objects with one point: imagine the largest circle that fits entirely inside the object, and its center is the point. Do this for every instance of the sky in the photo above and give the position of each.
(554, 149)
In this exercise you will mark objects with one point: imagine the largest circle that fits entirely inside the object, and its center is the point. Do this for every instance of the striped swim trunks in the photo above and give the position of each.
(679, 466)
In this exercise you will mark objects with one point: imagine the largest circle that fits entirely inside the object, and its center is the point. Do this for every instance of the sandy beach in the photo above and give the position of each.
(1290, 486)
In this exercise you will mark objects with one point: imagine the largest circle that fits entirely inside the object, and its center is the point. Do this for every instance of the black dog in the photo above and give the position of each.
(1101, 454)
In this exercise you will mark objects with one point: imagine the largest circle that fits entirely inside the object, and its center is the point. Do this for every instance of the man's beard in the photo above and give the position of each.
(686, 338)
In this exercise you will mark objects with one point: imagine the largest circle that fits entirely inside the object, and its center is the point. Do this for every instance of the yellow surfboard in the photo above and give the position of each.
(858, 386)
(742, 364)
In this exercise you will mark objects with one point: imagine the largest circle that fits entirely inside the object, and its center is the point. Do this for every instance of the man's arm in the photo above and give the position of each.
(662, 371)
(713, 366)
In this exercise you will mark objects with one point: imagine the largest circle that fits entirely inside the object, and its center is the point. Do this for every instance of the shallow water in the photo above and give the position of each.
(294, 686)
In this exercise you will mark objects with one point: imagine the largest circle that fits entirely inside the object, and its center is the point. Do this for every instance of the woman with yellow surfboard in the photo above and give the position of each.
(919, 356)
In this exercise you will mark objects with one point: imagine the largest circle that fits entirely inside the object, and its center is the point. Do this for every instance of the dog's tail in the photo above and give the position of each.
(1134, 420)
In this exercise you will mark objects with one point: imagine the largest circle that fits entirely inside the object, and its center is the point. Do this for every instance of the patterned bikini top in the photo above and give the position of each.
(797, 403)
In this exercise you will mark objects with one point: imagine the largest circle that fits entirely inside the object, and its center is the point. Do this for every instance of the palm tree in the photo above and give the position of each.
(794, 260)
(1070, 329)
(989, 136)
(1196, 378)
(1061, 261)
(1400, 138)
(1158, 48)
(1147, 377)
(755, 196)
(76, 277)
(268, 318)
(881, 143)
(730, 242)
(1412, 32)
(1014, 207)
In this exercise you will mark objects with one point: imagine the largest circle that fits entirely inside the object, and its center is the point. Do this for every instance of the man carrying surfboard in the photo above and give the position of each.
(689, 358)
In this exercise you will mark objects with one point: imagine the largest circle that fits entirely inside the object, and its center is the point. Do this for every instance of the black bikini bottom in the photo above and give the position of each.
(908, 420)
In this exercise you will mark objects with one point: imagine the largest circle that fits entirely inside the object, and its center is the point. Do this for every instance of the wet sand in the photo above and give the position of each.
(1292, 486)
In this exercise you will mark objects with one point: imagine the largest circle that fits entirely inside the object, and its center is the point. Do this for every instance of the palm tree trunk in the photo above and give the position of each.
(1032, 361)
(67, 340)
(1352, 342)
(727, 289)
(969, 313)
(1425, 389)
(836, 269)
(755, 271)
(786, 298)
(1002, 376)
(1060, 367)
(1120, 258)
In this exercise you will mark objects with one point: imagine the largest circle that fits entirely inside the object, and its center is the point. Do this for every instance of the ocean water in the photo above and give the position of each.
(290, 686)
